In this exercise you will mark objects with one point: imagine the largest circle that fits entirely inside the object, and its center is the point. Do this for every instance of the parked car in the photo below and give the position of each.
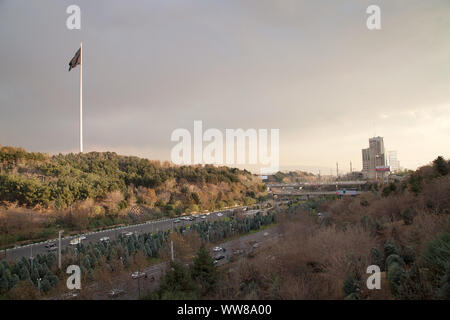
(104, 239)
(220, 214)
(217, 249)
(203, 217)
(138, 274)
(219, 257)
(50, 245)
(127, 234)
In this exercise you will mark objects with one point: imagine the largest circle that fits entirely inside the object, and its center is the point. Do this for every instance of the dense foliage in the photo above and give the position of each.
(112, 255)
(35, 179)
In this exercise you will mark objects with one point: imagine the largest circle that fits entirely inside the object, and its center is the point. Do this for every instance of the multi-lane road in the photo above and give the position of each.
(32, 250)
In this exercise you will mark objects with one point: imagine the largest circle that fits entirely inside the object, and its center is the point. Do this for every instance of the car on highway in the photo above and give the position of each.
(76, 241)
(128, 234)
(115, 292)
(137, 274)
(102, 239)
(50, 245)
(217, 249)
(69, 295)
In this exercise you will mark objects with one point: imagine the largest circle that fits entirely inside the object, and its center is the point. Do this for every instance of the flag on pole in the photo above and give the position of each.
(76, 60)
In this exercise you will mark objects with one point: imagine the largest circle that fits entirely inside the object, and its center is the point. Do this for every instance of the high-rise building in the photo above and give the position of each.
(365, 161)
(374, 157)
(393, 161)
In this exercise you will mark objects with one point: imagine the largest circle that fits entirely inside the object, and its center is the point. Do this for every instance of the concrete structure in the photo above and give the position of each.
(365, 161)
(374, 157)
(393, 161)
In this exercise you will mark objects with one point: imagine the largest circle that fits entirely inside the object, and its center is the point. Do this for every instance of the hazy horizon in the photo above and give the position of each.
(312, 70)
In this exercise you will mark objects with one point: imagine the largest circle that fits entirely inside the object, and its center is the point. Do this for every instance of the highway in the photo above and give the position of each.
(316, 184)
(312, 193)
(34, 249)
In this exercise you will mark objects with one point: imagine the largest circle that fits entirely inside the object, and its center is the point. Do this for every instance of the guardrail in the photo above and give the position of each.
(113, 229)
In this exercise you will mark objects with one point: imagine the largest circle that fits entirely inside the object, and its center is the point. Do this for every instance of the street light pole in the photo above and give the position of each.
(59, 248)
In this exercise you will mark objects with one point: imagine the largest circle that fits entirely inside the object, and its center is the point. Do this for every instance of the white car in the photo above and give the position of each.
(104, 239)
(138, 274)
(128, 234)
(217, 249)
(219, 214)
(75, 241)
(203, 217)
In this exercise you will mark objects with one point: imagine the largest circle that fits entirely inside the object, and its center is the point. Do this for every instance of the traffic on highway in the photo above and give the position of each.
(49, 246)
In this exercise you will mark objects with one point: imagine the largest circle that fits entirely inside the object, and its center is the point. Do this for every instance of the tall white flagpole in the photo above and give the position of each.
(81, 97)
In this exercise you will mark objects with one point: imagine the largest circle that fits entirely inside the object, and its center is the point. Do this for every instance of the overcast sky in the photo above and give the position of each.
(309, 68)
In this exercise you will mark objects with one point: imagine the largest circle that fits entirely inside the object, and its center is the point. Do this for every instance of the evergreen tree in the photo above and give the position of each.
(440, 166)
(177, 284)
(204, 270)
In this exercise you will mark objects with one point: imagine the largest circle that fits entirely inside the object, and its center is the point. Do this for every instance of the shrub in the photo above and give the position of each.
(407, 216)
(394, 259)
(351, 285)
(443, 292)
(376, 258)
(395, 275)
(437, 255)
(389, 248)
(408, 254)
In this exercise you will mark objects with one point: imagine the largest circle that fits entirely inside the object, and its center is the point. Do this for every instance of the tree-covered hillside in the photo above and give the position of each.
(33, 179)
(93, 190)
